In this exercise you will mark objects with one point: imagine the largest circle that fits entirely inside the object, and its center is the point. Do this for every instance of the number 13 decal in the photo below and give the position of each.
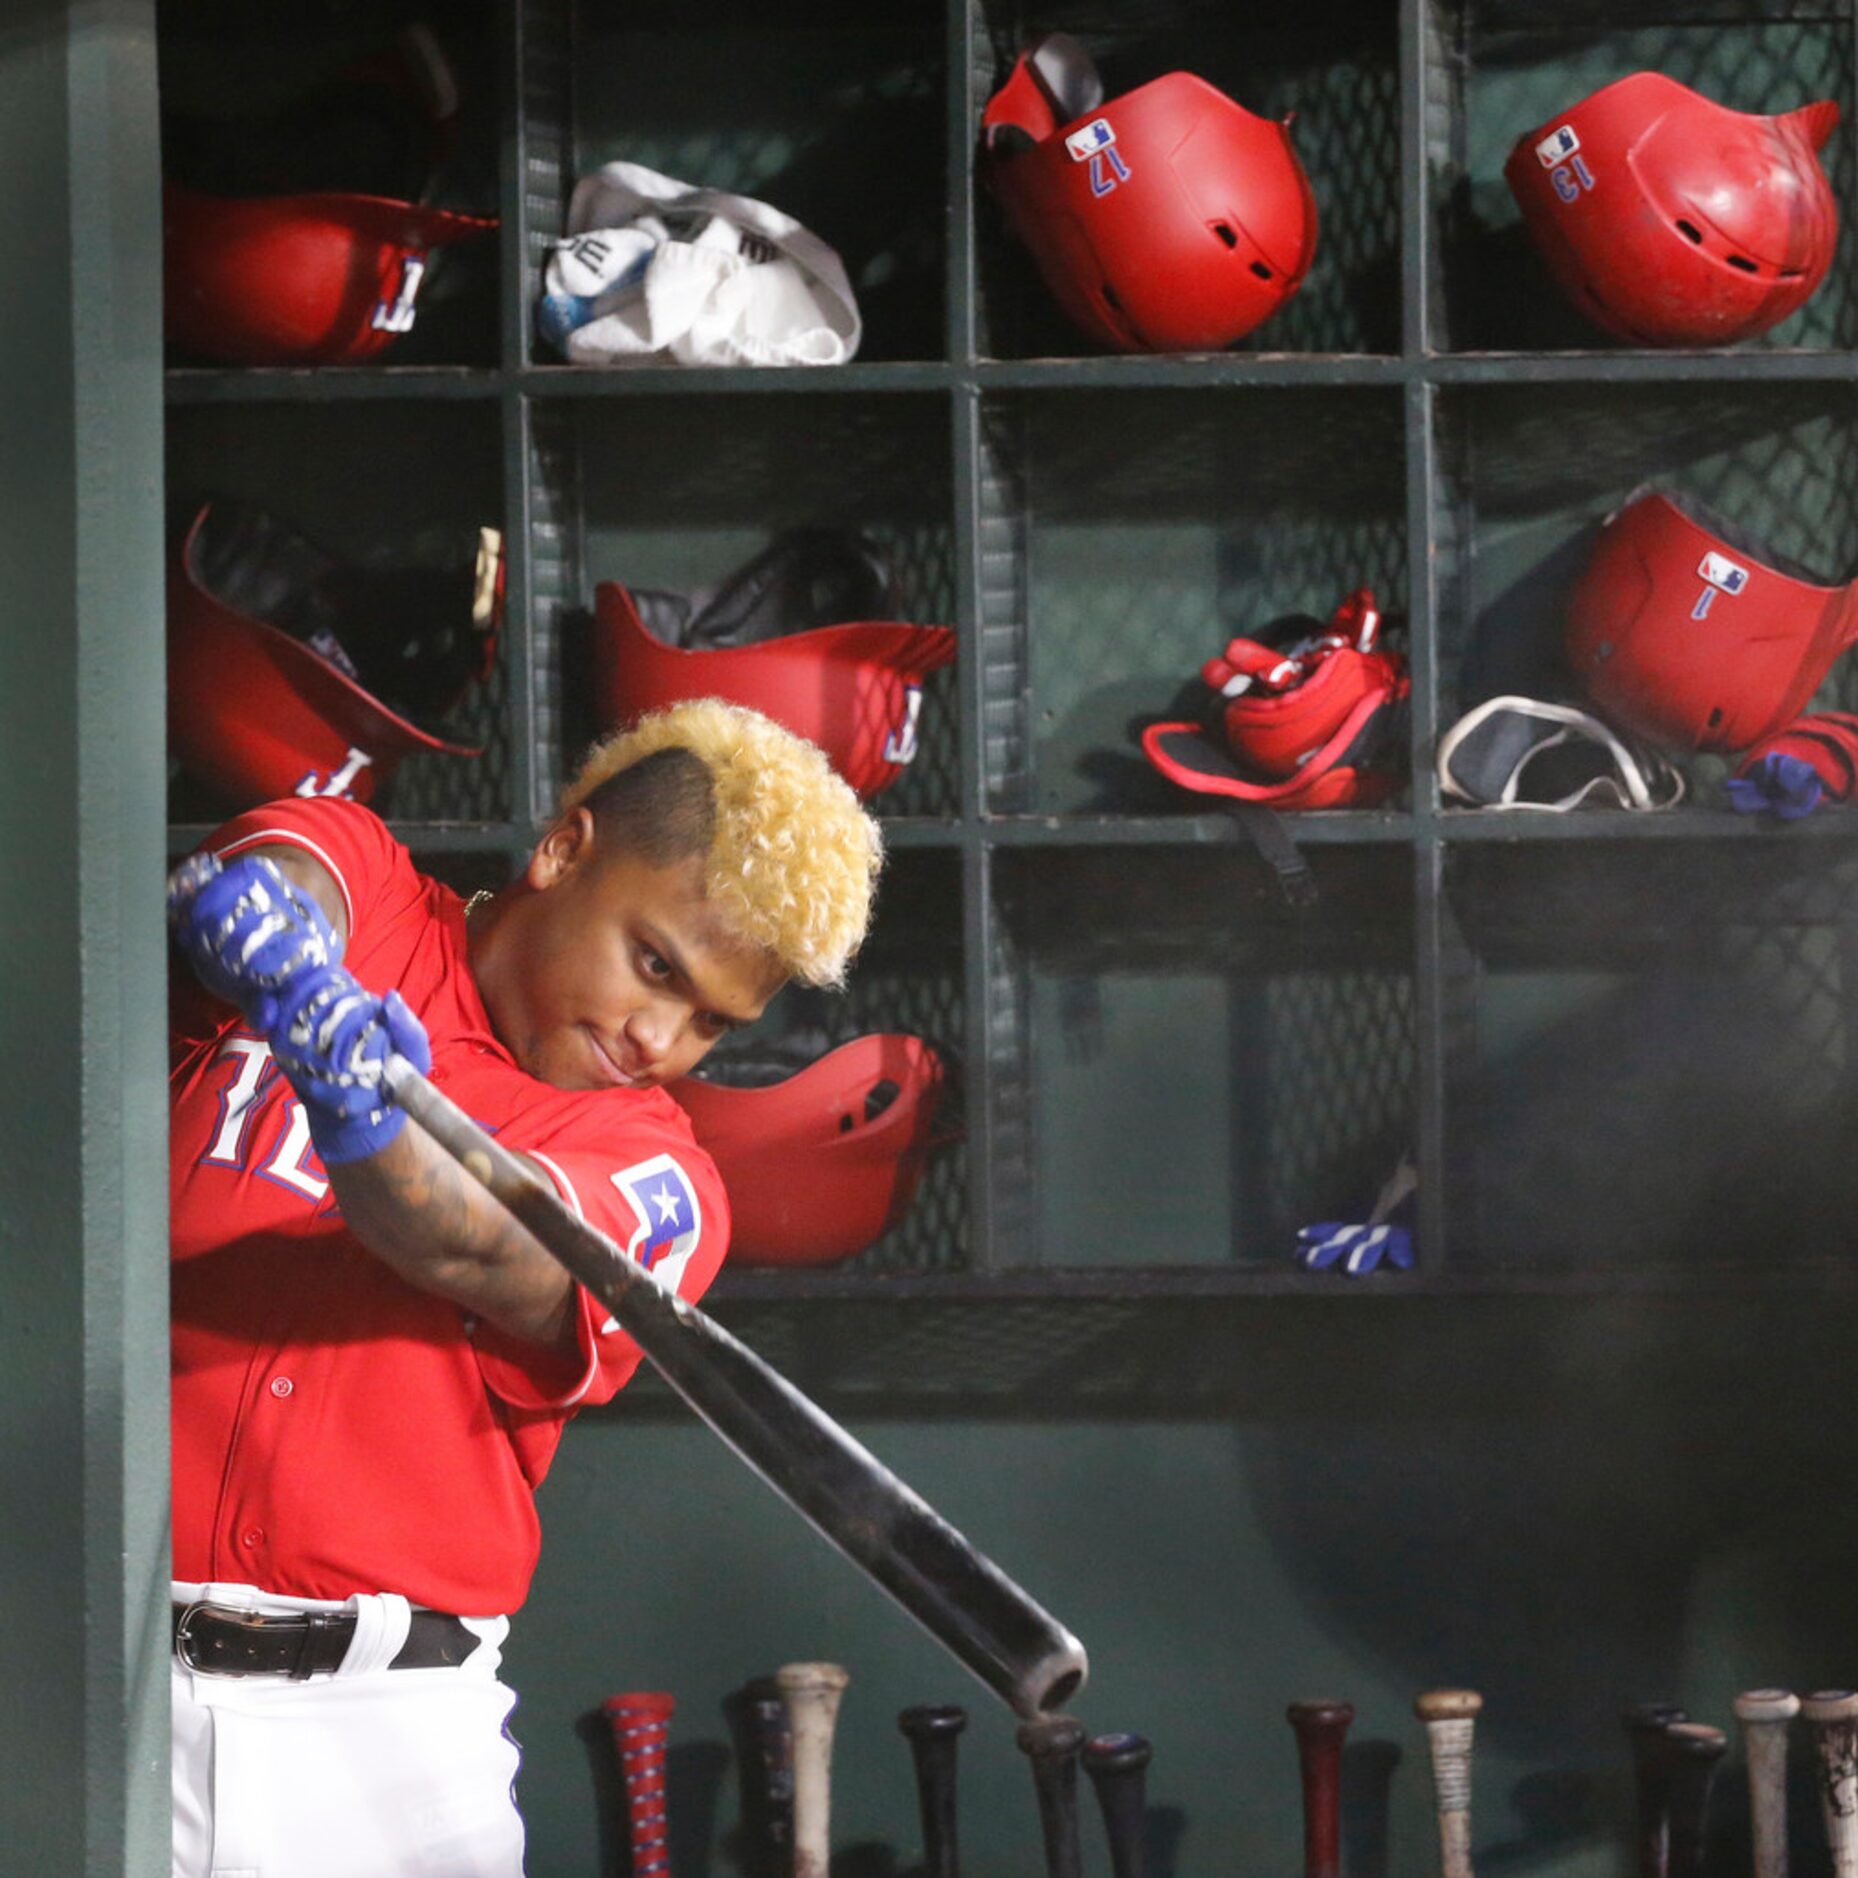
(1571, 178)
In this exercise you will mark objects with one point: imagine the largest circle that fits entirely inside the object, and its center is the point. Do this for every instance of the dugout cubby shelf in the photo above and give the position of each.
(1158, 1069)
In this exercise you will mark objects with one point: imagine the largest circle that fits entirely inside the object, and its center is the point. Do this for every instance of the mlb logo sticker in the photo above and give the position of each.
(670, 1221)
(1557, 146)
(1723, 573)
(1084, 144)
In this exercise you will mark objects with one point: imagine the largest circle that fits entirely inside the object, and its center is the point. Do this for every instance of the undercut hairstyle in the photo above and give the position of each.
(792, 856)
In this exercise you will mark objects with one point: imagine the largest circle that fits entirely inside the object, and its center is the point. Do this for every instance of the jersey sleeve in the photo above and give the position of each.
(659, 1199)
(373, 873)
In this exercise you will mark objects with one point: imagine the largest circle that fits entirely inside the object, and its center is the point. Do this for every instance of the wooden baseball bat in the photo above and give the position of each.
(811, 1692)
(640, 1720)
(1450, 1716)
(764, 1754)
(1765, 1715)
(934, 1732)
(1694, 1750)
(964, 1600)
(1833, 1714)
(1052, 1743)
(1645, 1723)
(1321, 1728)
(1118, 1768)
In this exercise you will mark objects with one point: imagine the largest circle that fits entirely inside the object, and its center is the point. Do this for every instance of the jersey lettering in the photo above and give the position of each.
(254, 1059)
(286, 1165)
(292, 1161)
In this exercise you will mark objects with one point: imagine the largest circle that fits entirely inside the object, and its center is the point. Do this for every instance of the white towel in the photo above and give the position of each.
(654, 271)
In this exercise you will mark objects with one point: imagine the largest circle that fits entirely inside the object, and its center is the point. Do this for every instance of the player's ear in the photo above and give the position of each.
(567, 844)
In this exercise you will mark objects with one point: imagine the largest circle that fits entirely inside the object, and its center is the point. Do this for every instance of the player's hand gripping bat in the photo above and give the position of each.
(1018, 1649)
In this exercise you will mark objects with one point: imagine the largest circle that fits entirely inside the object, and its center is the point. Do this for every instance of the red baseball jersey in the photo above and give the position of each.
(335, 1429)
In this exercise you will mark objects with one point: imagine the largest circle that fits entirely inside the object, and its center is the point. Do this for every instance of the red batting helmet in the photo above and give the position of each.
(263, 697)
(1168, 220)
(316, 279)
(1693, 642)
(855, 690)
(1672, 220)
(823, 1164)
(1311, 725)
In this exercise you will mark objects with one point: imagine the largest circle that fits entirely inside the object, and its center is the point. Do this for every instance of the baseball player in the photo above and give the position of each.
(373, 1362)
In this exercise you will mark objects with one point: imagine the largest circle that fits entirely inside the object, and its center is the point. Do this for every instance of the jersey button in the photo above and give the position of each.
(252, 1536)
(281, 1386)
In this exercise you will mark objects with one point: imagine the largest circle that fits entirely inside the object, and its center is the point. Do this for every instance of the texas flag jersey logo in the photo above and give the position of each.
(670, 1220)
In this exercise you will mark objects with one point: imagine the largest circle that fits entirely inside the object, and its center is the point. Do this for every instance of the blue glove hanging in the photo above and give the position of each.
(1356, 1248)
(331, 1037)
(247, 929)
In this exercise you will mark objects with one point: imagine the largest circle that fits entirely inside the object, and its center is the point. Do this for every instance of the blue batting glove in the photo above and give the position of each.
(331, 1037)
(1353, 1248)
(1787, 786)
(247, 929)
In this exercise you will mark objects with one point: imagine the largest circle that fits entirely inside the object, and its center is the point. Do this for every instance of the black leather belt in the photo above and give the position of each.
(222, 1640)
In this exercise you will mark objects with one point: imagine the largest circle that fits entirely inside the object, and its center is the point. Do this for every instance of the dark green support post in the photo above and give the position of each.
(83, 1189)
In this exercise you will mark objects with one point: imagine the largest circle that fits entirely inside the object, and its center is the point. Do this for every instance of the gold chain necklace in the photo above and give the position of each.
(477, 899)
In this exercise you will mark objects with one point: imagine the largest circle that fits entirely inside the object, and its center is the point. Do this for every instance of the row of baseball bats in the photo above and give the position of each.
(790, 1719)
(1674, 1764)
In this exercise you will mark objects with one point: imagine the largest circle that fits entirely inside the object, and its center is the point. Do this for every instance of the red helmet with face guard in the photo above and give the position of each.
(1694, 642)
(855, 690)
(257, 710)
(820, 1166)
(1168, 220)
(316, 279)
(1672, 220)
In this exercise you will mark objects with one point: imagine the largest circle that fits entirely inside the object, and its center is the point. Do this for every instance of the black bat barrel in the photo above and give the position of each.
(934, 1731)
(1694, 1751)
(1118, 1768)
(1645, 1723)
(1052, 1744)
(765, 1758)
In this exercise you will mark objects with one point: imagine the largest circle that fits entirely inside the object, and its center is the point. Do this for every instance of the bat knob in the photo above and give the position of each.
(1829, 1705)
(1051, 1737)
(1650, 1717)
(1447, 1704)
(1766, 1705)
(1696, 1741)
(932, 1721)
(1319, 1715)
(1117, 1754)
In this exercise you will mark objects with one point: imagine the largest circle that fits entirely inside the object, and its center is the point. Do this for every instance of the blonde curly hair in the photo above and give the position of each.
(793, 855)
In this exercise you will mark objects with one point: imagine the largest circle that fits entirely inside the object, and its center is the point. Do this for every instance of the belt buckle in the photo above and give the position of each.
(182, 1638)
